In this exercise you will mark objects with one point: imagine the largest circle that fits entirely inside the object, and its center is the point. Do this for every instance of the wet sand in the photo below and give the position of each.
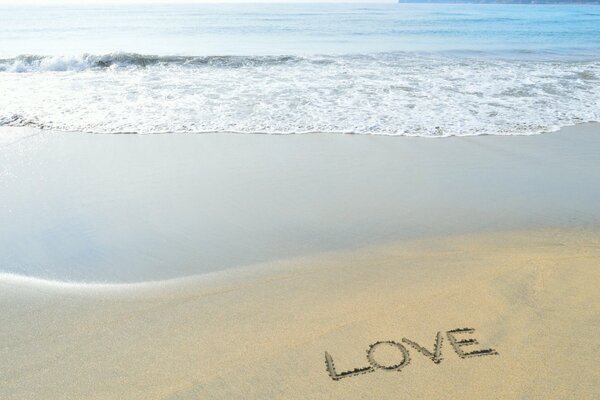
(336, 245)
(131, 208)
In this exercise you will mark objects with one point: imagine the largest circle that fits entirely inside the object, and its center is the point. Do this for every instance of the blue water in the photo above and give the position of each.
(407, 69)
(243, 29)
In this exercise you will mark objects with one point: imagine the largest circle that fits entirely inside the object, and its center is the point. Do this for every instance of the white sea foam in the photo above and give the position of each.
(387, 93)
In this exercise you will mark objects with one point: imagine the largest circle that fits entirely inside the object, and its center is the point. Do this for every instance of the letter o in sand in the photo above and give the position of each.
(395, 367)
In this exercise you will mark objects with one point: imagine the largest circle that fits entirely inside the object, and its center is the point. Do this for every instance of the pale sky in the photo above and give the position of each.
(83, 2)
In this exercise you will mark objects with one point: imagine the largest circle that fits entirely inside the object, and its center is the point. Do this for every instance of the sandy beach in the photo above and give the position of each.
(530, 295)
(228, 266)
(299, 200)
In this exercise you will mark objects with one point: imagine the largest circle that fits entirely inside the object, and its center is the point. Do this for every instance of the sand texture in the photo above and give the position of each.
(531, 296)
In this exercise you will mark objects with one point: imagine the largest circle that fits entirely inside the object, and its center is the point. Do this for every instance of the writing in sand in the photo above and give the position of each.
(455, 337)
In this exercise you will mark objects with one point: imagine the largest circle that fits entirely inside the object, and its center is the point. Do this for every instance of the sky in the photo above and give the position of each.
(84, 2)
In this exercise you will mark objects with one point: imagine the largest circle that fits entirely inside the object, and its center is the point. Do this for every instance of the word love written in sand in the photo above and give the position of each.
(454, 337)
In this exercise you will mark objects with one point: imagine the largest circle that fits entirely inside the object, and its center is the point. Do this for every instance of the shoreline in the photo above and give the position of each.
(251, 272)
(144, 208)
(35, 130)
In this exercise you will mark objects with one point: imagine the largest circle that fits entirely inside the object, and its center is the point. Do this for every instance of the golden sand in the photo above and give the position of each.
(262, 332)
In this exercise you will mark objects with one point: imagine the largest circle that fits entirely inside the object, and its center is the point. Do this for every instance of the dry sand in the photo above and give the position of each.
(262, 333)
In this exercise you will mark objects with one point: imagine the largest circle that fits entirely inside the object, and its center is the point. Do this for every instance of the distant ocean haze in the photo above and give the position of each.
(552, 2)
(394, 69)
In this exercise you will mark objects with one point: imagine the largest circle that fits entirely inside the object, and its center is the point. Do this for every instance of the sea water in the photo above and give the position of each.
(390, 69)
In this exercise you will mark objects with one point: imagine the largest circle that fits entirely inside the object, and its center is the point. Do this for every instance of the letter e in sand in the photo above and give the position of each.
(458, 344)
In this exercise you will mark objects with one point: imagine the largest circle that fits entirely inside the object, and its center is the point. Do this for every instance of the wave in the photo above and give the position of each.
(16, 120)
(409, 94)
(41, 63)
(121, 60)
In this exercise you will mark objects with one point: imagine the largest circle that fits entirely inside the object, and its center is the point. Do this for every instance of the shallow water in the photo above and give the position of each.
(397, 69)
(131, 208)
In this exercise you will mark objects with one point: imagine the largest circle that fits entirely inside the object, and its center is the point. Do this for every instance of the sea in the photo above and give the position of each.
(432, 70)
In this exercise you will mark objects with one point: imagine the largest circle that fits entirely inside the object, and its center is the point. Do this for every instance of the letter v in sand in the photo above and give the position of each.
(436, 356)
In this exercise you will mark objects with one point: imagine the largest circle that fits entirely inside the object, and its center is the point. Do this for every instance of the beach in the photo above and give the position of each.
(224, 266)
(299, 201)
(131, 208)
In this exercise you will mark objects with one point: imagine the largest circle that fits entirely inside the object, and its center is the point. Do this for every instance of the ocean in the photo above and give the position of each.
(430, 70)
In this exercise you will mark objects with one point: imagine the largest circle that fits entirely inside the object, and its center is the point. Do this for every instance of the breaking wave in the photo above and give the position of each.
(402, 93)
(38, 63)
